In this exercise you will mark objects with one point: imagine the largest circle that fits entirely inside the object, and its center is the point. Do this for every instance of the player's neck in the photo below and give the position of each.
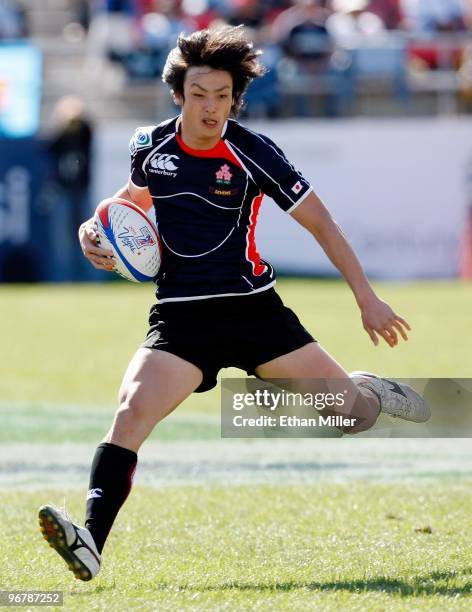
(195, 141)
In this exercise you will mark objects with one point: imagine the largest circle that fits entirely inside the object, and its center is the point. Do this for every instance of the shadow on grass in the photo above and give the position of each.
(429, 584)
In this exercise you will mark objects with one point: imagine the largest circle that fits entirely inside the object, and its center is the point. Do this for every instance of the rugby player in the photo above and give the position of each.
(206, 174)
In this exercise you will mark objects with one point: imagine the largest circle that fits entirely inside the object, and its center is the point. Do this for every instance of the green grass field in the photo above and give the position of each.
(233, 525)
(263, 548)
(71, 344)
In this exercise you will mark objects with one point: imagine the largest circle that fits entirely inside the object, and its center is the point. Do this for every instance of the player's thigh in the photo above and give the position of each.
(311, 369)
(309, 361)
(156, 382)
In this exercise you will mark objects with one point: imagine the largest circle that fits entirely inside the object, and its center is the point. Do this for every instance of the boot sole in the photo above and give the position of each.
(55, 536)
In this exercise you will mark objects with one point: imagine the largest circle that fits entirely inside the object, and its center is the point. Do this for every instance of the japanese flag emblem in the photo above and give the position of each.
(297, 187)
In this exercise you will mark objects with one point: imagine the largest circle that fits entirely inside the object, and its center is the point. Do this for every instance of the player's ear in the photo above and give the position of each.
(178, 98)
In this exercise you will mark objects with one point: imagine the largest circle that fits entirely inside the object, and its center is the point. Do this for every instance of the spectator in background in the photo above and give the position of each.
(375, 56)
(274, 8)
(13, 22)
(144, 6)
(425, 19)
(468, 13)
(112, 33)
(81, 13)
(159, 27)
(263, 97)
(204, 13)
(389, 11)
(305, 38)
(250, 13)
(429, 16)
(162, 25)
(70, 150)
(301, 31)
(353, 22)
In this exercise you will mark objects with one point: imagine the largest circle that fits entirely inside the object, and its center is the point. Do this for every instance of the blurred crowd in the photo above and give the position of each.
(153, 18)
(140, 32)
(310, 46)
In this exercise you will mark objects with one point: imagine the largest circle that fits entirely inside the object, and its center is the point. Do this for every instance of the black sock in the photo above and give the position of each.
(110, 483)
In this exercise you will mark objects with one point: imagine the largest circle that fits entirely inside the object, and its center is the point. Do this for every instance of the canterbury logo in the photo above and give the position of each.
(164, 162)
(93, 493)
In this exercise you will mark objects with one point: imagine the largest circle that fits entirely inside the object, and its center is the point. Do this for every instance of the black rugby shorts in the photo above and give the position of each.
(235, 331)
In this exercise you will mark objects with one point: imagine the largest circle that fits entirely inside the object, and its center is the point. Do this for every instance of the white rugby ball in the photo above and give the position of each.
(125, 229)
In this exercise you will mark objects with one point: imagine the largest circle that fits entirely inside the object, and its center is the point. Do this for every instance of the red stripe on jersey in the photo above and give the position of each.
(252, 254)
(219, 150)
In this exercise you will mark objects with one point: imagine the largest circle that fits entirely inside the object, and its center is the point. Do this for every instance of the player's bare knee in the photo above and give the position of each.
(123, 394)
(131, 426)
(132, 409)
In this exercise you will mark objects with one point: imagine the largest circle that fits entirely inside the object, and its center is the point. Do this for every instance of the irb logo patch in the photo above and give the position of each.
(142, 139)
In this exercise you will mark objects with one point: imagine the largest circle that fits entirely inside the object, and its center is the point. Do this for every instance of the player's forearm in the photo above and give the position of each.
(123, 193)
(336, 246)
(139, 196)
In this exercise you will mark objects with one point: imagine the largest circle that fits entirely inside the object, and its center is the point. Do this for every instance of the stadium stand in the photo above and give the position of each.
(326, 57)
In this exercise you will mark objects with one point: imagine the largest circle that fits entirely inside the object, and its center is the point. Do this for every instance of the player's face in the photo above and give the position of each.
(206, 105)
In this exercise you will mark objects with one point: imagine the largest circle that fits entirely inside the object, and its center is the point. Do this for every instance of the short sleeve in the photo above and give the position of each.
(139, 146)
(273, 173)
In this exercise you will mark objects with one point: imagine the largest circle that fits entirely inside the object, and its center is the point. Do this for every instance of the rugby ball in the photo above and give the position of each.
(125, 229)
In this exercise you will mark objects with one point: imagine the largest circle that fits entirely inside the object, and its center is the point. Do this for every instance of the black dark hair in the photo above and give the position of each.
(224, 48)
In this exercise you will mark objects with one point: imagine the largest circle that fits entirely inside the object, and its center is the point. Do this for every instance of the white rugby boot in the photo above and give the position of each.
(396, 399)
(75, 544)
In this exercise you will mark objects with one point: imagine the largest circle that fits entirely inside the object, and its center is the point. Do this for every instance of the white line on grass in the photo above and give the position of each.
(232, 462)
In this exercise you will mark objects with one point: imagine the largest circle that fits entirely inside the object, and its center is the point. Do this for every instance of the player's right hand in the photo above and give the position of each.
(101, 259)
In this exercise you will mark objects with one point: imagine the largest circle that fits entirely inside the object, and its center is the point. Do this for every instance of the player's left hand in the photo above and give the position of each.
(379, 319)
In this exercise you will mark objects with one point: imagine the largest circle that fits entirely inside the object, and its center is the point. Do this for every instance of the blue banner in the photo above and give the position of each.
(23, 223)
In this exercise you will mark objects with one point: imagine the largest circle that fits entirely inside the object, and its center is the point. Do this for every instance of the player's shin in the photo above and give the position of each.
(111, 477)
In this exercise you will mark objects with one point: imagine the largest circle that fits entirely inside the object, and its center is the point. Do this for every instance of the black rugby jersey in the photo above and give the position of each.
(207, 203)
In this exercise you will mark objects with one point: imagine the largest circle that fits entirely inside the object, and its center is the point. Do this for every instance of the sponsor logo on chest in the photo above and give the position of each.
(164, 164)
(223, 192)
